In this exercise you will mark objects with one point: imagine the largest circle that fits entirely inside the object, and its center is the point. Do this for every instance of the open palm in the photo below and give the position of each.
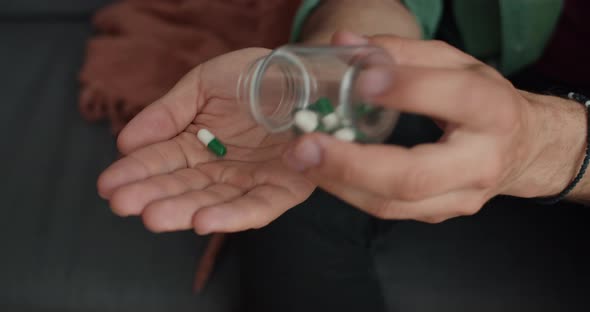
(170, 178)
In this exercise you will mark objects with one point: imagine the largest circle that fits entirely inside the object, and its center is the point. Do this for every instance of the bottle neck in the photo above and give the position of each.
(273, 88)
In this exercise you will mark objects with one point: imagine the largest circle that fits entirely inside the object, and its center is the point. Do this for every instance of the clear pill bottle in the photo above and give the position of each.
(313, 88)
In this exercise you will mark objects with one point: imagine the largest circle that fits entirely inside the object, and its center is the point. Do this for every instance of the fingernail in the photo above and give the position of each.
(374, 81)
(304, 155)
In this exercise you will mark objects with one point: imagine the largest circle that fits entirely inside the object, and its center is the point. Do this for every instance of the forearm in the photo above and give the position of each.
(368, 17)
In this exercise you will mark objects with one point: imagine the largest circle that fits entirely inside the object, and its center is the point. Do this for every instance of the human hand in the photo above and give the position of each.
(497, 139)
(169, 178)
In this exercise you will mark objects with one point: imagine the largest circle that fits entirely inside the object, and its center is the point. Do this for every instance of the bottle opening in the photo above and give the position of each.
(274, 87)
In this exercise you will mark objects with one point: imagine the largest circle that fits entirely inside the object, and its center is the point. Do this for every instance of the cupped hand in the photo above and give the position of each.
(497, 139)
(175, 183)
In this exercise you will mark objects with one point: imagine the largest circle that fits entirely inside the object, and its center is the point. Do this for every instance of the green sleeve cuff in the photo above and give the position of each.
(428, 14)
(304, 11)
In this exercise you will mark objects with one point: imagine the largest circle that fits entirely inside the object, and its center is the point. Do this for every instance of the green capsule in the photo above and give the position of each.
(217, 148)
(322, 106)
(212, 143)
(360, 136)
(363, 109)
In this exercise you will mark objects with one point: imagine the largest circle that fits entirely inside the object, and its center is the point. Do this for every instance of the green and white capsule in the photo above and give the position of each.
(330, 119)
(212, 143)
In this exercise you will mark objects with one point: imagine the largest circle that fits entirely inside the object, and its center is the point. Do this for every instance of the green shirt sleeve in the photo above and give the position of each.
(427, 12)
(512, 34)
(526, 27)
(304, 11)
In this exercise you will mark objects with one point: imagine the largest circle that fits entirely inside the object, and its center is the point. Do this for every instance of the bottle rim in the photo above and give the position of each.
(250, 81)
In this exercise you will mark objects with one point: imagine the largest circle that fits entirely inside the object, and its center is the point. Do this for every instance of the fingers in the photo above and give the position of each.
(166, 117)
(131, 199)
(431, 53)
(182, 152)
(176, 213)
(389, 171)
(429, 78)
(431, 210)
(411, 52)
(254, 209)
(447, 94)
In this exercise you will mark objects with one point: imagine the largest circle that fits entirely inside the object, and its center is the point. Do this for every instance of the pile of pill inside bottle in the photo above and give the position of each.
(321, 117)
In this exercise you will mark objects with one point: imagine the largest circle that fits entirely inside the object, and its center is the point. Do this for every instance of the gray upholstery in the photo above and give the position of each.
(62, 248)
(19, 8)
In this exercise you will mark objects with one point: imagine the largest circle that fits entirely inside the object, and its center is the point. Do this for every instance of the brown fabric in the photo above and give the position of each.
(143, 47)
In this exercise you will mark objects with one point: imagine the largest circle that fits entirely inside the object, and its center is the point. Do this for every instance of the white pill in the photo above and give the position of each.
(345, 134)
(306, 120)
(330, 121)
(205, 136)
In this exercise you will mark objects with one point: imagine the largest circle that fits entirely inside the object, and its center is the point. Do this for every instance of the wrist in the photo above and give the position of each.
(556, 144)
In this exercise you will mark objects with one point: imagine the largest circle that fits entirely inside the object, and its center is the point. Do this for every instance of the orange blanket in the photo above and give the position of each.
(143, 47)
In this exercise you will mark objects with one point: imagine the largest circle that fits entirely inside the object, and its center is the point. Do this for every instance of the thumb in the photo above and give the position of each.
(165, 118)
(323, 158)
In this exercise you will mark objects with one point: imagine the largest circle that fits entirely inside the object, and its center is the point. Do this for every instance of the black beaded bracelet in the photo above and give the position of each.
(554, 199)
